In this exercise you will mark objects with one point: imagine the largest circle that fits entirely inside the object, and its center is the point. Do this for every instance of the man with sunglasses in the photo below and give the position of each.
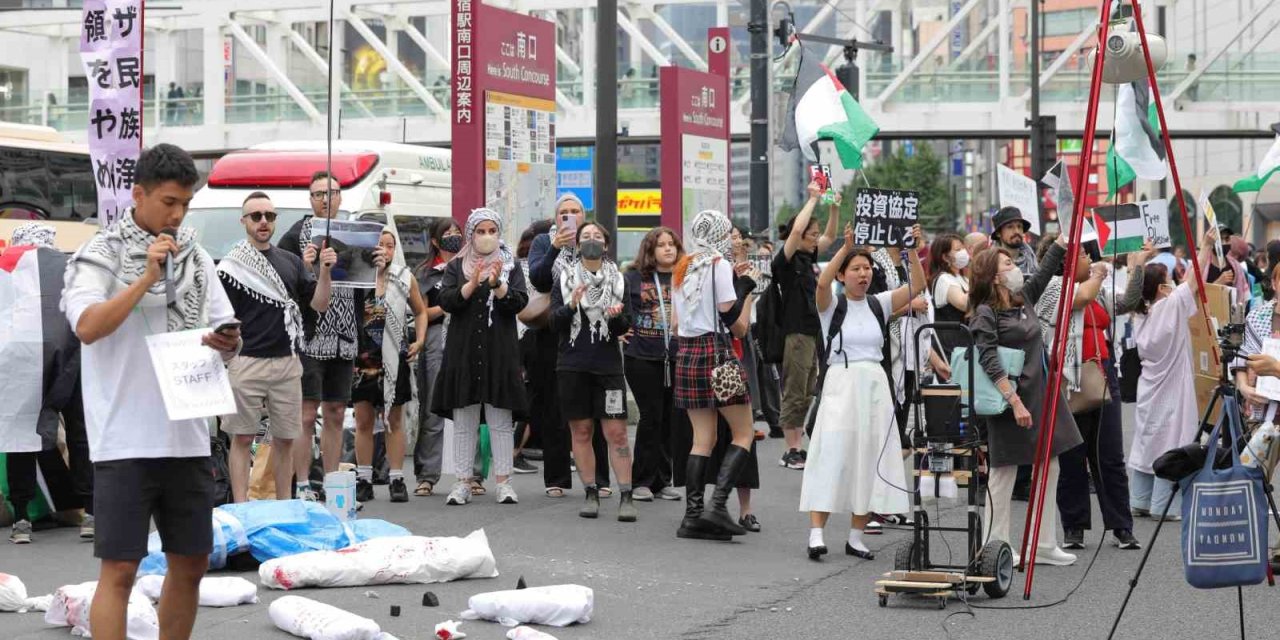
(268, 287)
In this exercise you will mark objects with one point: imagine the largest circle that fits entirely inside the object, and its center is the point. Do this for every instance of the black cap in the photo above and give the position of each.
(1224, 230)
(1004, 216)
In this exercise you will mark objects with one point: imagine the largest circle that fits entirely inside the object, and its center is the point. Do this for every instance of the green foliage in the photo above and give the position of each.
(922, 172)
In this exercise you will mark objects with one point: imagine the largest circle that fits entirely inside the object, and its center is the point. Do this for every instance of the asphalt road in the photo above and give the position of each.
(649, 584)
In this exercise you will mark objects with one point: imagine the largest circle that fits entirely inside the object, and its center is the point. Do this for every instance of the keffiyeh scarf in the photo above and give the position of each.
(472, 260)
(708, 242)
(604, 290)
(891, 281)
(396, 299)
(34, 234)
(117, 256)
(248, 270)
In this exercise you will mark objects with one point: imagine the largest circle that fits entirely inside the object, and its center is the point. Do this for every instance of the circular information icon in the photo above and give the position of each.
(718, 44)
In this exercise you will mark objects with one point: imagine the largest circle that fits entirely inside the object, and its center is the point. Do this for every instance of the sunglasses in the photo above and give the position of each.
(320, 194)
(257, 216)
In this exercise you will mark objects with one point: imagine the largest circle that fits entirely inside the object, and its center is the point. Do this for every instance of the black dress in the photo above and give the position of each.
(482, 359)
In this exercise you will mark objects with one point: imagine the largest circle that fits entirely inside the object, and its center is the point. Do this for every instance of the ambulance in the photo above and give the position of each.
(405, 187)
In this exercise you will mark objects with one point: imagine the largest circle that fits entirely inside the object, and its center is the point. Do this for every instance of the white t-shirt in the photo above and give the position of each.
(943, 285)
(694, 320)
(123, 409)
(861, 337)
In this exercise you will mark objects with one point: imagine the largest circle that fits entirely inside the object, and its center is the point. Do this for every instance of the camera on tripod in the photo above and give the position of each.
(1231, 337)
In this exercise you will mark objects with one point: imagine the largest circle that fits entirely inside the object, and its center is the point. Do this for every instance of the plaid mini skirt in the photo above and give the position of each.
(695, 361)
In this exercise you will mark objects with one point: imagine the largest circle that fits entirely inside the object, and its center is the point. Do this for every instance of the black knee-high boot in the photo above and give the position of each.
(718, 514)
(691, 526)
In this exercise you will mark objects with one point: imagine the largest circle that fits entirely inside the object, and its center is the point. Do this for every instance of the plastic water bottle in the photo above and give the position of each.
(1259, 444)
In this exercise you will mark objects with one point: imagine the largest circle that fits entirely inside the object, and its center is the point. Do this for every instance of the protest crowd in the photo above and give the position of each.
(486, 358)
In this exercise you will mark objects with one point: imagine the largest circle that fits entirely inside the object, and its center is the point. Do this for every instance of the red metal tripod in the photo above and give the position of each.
(1048, 418)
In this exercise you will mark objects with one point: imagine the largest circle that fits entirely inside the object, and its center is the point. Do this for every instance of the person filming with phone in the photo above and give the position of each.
(146, 466)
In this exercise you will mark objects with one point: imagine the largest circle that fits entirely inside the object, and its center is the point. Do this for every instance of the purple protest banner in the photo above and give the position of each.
(111, 51)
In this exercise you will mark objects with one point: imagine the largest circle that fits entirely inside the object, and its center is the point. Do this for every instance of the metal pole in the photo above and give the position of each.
(1037, 132)
(607, 119)
(759, 176)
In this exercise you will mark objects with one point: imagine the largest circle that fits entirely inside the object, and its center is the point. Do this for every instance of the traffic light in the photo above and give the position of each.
(1044, 151)
(847, 74)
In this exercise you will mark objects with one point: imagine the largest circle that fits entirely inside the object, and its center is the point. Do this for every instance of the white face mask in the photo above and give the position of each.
(960, 258)
(485, 245)
(1012, 280)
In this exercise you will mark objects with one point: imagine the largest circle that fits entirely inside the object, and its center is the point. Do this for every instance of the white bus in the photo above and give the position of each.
(44, 177)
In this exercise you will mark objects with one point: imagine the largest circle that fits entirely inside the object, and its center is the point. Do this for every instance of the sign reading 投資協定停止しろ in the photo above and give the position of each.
(884, 217)
(111, 51)
(193, 379)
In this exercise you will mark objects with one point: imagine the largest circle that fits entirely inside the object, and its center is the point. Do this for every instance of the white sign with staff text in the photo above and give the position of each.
(1017, 190)
(193, 379)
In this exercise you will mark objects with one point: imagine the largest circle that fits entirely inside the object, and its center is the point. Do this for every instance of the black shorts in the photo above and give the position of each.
(326, 380)
(176, 492)
(591, 396)
(368, 388)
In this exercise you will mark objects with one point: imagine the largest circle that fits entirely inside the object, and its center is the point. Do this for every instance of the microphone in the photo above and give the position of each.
(170, 295)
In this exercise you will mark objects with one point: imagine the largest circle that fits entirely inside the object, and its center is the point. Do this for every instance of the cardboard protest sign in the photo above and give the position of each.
(354, 242)
(1211, 221)
(1017, 190)
(193, 380)
(1133, 223)
(884, 217)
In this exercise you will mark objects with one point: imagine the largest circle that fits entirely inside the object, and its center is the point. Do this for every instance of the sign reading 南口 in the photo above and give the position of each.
(884, 217)
(695, 119)
(111, 50)
(504, 131)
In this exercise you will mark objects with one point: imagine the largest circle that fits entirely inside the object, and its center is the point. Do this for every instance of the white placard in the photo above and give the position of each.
(1017, 190)
(1269, 386)
(193, 379)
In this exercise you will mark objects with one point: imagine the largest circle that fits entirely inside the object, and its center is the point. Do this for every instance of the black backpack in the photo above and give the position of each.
(833, 331)
(767, 330)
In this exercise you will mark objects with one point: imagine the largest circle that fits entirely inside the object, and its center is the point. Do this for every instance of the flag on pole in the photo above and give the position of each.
(1136, 149)
(823, 109)
(1270, 163)
(1059, 181)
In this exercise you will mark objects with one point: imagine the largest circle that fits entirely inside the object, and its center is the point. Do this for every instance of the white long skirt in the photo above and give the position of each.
(855, 456)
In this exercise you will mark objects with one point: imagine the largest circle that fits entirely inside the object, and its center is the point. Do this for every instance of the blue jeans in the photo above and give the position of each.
(1151, 493)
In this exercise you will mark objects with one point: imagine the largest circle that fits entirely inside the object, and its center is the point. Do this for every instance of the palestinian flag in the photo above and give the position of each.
(1136, 148)
(37, 348)
(1270, 163)
(822, 109)
(1125, 230)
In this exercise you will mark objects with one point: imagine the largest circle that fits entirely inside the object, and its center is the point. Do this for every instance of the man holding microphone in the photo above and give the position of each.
(145, 465)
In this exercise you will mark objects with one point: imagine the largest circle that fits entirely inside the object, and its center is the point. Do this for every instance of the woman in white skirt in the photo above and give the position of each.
(855, 465)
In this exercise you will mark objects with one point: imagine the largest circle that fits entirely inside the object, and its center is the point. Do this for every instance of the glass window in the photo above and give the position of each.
(1067, 23)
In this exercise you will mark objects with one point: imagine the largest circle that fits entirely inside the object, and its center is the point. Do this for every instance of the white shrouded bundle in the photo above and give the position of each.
(214, 592)
(70, 608)
(13, 596)
(556, 606)
(313, 620)
(412, 559)
(528, 633)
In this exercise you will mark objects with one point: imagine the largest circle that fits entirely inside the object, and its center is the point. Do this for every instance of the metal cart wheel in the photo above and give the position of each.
(996, 561)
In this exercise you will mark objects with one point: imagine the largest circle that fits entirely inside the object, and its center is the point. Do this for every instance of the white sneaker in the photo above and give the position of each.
(1054, 557)
(642, 494)
(308, 495)
(669, 493)
(461, 494)
(506, 494)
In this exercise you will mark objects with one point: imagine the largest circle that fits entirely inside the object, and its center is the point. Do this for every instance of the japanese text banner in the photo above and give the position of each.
(111, 51)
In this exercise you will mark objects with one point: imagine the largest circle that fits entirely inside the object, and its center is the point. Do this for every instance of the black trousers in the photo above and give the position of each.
(1101, 455)
(545, 418)
(658, 415)
(69, 488)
